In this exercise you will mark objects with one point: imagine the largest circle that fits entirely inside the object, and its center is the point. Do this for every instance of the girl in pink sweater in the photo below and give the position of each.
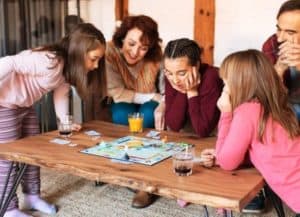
(24, 78)
(258, 122)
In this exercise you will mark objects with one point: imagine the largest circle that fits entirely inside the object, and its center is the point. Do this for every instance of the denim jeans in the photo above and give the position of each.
(121, 110)
(296, 108)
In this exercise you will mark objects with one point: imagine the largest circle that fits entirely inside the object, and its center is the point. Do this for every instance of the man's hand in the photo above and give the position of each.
(281, 65)
(288, 56)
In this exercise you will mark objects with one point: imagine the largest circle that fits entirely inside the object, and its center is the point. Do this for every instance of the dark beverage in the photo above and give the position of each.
(65, 133)
(183, 163)
(183, 170)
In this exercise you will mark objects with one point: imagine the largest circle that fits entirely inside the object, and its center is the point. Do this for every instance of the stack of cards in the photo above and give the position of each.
(92, 133)
(153, 134)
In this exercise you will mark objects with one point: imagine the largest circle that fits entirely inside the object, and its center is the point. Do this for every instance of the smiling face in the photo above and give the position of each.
(133, 50)
(93, 57)
(288, 26)
(176, 71)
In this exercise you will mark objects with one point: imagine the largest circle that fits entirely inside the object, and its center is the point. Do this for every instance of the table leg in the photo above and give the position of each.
(5, 201)
(275, 200)
(99, 183)
(205, 211)
(5, 186)
(227, 213)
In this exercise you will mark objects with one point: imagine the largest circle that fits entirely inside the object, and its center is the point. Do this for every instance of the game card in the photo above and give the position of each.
(60, 141)
(92, 133)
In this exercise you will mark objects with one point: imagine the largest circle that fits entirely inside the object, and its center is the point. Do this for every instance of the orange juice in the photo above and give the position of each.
(135, 124)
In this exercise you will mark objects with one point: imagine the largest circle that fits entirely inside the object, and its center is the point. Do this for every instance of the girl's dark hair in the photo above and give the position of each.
(72, 49)
(184, 47)
(290, 5)
(150, 35)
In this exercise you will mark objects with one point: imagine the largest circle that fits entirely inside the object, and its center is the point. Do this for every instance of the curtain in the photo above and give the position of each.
(30, 23)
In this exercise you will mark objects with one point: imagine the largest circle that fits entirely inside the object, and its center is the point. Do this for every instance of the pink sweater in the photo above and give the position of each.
(27, 76)
(278, 159)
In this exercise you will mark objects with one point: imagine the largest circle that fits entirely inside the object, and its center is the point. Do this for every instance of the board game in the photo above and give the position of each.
(136, 149)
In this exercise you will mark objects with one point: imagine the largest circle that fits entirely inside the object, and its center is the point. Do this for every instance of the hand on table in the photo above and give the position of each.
(159, 116)
(76, 127)
(208, 157)
(157, 97)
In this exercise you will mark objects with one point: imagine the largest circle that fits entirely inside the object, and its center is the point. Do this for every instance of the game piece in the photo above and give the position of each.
(165, 139)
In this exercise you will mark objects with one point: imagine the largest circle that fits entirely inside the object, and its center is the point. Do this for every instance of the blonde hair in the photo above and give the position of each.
(251, 76)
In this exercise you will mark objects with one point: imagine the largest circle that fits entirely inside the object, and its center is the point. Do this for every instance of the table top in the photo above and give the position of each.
(213, 187)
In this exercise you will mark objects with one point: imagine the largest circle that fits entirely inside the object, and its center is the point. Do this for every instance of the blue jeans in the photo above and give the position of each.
(296, 108)
(121, 110)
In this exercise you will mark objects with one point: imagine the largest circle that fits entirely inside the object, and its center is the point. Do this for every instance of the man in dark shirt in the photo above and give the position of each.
(283, 49)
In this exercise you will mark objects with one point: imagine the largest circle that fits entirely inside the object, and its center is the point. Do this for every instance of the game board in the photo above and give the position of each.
(136, 149)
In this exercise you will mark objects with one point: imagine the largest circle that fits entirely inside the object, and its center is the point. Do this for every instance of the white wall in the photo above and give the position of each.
(102, 14)
(99, 12)
(175, 18)
(243, 24)
(240, 24)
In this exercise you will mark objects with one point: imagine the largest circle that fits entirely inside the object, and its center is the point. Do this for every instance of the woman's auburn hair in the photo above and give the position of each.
(150, 35)
(250, 76)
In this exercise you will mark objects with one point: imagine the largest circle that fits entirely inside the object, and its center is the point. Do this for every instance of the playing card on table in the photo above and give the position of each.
(60, 141)
(92, 133)
(153, 134)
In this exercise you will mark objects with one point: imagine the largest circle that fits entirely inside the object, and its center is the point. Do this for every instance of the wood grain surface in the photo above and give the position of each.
(214, 187)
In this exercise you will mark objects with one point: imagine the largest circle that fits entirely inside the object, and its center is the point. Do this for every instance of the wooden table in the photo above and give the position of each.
(213, 187)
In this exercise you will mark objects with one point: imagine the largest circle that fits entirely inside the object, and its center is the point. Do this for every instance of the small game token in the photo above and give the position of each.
(165, 139)
(72, 144)
(126, 156)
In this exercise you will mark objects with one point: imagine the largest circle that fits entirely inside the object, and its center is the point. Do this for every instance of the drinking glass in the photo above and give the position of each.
(183, 161)
(65, 126)
(135, 122)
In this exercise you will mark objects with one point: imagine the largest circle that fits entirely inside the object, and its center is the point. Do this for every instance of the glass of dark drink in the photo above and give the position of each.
(183, 163)
(65, 130)
(65, 126)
